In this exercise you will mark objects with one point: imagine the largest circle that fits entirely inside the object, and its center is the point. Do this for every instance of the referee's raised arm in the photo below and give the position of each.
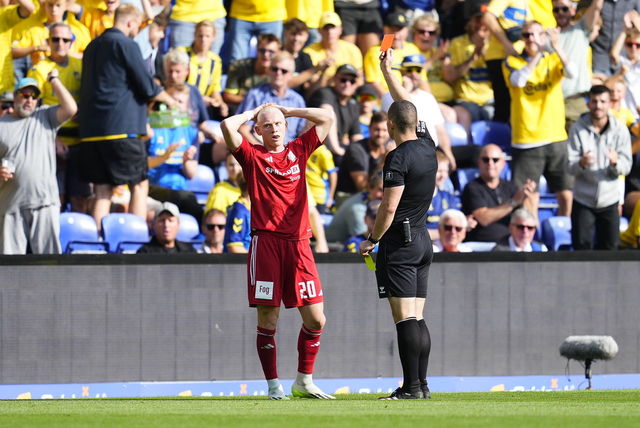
(397, 91)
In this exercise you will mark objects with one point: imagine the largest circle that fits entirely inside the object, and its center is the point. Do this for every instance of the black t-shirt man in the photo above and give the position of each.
(476, 195)
(357, 158)
(347, 115)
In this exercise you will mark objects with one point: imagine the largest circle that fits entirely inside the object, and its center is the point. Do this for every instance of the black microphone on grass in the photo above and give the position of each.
(588, 349)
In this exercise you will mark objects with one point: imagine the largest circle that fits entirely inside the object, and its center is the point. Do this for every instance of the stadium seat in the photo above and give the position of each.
(624, 224)
(556, 233)
(543, 214)
(485, 132)
(457, 134)
(124, 232)
(480, 246)
(466, 175)
(79, 234)
(326, 219)
(202, 183)
(189, 228)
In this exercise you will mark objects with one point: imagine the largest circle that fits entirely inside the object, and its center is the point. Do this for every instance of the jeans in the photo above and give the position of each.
(606, 222)
(240, 33)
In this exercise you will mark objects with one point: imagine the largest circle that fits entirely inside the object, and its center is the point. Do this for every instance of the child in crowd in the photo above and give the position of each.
(369, 102)
(237, 236)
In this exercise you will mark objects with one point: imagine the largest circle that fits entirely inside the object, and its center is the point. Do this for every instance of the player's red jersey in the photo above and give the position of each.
(277, 185)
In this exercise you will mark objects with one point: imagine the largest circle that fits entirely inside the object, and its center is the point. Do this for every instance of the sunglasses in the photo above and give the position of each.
(413, 69)
(366, 97)
(60, 40)
(526, 35)
(523, 227)
(281, 70)
(345, 80)
(486, 159)
(449, 228)
(429, 32)
(563, 9)
(264, 51)
(632, 45)
(215, 226)
(29, 95)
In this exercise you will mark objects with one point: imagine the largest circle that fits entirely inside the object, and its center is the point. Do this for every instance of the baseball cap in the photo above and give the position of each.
(396, 20)
(347, 69)
(415, 60)
(167, 207)
(27, 82)
(366, 89)
(330, 18)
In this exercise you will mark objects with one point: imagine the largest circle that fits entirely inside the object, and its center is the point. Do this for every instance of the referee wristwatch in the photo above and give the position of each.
(373, 241)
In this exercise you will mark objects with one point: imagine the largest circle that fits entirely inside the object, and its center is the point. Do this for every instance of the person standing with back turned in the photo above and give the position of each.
(280, 264)
(405, 252)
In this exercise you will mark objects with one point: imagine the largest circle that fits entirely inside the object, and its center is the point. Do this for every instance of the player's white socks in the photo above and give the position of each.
(276, 391)
(303, 387)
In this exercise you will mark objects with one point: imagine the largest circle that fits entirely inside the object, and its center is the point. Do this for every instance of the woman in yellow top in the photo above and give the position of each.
(205, 67)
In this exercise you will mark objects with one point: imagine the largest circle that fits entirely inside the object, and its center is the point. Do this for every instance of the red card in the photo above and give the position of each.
(387, 41)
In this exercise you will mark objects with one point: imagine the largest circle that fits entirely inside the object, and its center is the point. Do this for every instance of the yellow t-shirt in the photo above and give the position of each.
(510, 14)
(96, 4)
(629, 238)
(439, 88)
(624, 115)
(198, 10)
(258, 11)
(204, 74)
(474, 86)
(319, 165)
(222, 196)
(537, 110)
(372, 62)
(96, 20)
(542, 11)
(308, 11)
(33, 32)
(9, 18)
(347, 53)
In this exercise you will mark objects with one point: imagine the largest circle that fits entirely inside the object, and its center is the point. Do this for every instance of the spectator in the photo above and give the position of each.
(70, 185)
(322, 178)
(237, 237)
(369, 101)
(246, 73)
(213, 229)
(166, 224)
(219, 153)
(398, 25)
(466, 70)
(504, 20)
(362, 22)
(618, 88)
(442, 198)
(113, 95)
(331, 51)
(308, 76)
(205, 67)
(490, 199)
(629, 63)
(339, 100)
(10, 16)
(599, 151)
(413, 9)
(452, 231)
(97, 20)
(276, 91)
(353, 243)
(537, 113)
(249, 18)
(574, 38)
(30, 36)
(185, 14)
(522, 230)
(6, 98)
(349, 219)
(29, 203)
(362, 158)
(225, 193)
(630, 238)
(154, 57)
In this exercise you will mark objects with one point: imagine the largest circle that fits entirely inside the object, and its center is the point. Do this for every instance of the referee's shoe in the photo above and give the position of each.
(400, 394)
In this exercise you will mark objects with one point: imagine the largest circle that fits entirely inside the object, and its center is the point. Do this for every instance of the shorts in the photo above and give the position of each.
(402, 269)
(476, 111)
(550, 160)
(360, 20)
(114, 162)
(70, 183)
(281, 270)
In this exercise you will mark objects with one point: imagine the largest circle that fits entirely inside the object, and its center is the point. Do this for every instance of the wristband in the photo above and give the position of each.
(50, 78)
(373, 241)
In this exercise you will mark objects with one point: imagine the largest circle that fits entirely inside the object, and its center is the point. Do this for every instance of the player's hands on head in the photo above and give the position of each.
(257, 110)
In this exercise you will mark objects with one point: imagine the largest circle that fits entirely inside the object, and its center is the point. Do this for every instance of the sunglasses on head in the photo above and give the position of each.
(632, 45)
(523, 227)
(345, 80)
(366, 97)
(429, 32)
(278, 69)
(266, 51)
(486, 159)
(413, 69)
(563, 9)
(60, 40)
(449, 228)
(29, 95)
(215, 226)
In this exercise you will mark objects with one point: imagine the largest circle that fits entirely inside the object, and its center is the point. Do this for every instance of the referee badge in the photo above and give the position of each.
(388, 175)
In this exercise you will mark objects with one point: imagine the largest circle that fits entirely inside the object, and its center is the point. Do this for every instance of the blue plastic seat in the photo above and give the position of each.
(124, 232)
(466, 175)
(480, 246)
(189, 228)
(79, 234)
(485, 132)
(556, 233)
(457, 134)
(202, 183)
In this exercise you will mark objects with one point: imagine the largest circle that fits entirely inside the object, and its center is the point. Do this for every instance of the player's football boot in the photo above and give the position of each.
(309, 391)
(277, 393)
(400, 394)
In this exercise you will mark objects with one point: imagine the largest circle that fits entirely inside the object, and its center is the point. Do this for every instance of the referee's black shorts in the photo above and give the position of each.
(114, 162)
(402, 269)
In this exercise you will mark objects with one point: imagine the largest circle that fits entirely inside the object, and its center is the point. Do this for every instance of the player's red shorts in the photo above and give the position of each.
(282, 270)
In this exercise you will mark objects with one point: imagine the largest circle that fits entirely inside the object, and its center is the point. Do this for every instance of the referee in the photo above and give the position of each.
(405, 252)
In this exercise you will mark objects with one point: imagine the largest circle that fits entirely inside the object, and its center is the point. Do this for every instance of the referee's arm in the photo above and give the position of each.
(397, 91)
(384, 218)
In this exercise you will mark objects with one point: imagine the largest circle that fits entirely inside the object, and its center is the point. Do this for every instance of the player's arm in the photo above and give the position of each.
(396, 89)
(386, 213)
(231, 126)
(25, 8)
(68, 107)
(320, 117)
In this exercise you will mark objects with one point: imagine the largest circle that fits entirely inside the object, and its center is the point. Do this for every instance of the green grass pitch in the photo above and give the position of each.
(504, 409)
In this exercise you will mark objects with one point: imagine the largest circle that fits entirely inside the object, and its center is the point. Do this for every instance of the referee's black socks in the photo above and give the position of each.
(409, 346)
(425, 349)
